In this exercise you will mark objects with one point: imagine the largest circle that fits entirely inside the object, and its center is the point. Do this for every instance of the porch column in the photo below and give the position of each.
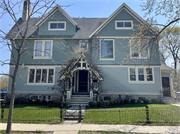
(91, 91)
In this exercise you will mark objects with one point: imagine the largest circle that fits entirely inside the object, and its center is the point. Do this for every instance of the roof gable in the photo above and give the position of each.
(114, 14)
(57, 7)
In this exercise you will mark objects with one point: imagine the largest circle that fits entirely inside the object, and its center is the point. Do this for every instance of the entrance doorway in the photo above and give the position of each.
(83, 81)
(166, 86)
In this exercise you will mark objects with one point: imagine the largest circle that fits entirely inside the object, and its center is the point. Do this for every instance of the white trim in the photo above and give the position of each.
(63, 29)
(43, 49)
(84, 41)
(140, 57)
(145, 77)
(113, 49)
(123, 28)
(113, 37)
(128, 66)
(57, 7)
(41, 84)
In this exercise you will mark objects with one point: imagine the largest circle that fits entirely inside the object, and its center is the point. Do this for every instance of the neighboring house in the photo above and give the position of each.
(105, 39)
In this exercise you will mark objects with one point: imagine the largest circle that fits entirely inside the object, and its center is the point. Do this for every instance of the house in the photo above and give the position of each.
(106, 39)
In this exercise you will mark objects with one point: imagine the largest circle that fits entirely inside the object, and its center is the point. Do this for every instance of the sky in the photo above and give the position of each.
(78, 8)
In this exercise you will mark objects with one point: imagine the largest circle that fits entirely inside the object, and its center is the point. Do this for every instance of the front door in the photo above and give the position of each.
(83, 81)
(166, 86)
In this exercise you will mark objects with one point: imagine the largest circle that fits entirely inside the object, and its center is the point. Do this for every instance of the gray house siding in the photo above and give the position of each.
(22, 82)
(116, 81)
(121, 53)
(57, 16)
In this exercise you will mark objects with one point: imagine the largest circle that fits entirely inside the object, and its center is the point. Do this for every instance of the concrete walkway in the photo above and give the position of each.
(74, 128)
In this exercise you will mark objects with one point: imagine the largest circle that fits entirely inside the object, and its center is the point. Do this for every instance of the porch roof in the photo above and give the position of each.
(73, 68)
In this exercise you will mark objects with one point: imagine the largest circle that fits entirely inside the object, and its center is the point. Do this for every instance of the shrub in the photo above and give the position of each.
(111, 102)
(116, 102)
(133, 100)
(58, 103)
(92, 104)
(121, 101)
(154, 101)
(146, 101)
(138, 101)
(126, 101)
(50, 102)
(44, 102)
(37, 101)
(64, 104)
(99, 103)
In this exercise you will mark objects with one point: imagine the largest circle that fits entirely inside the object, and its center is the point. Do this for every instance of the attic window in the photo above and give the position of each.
(57, 25)
(123, 24)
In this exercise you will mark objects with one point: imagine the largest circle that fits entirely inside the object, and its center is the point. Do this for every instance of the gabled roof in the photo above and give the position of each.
(164, 67)
(114, 14)
(71, 67)
(86, 27)
(57, 7)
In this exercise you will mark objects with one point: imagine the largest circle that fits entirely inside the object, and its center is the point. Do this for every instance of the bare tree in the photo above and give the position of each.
(18, 47)
(170, 43)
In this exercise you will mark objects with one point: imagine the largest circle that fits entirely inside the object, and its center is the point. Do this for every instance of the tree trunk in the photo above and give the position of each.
(9, 124)
(97, 97)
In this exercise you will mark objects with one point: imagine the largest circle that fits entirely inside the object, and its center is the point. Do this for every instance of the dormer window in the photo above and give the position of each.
(57, 25)
(123, 24)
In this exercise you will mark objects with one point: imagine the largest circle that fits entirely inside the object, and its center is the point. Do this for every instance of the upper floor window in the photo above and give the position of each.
(123, 24)
(139, 74)
(107, 50)
(41, 76)
(57, 25)
(138, 51)
(83, 44)
(43, 49)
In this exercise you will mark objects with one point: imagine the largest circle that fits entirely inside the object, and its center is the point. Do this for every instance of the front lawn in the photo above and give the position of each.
(159, 114)
(31, 113)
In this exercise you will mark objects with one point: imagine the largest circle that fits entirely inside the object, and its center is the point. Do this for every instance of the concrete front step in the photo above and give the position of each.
(170, 100)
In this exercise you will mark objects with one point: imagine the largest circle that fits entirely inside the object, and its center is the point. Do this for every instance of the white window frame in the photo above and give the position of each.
(60, 29)
(145, 75)
(43, 49)
(124, 28)
(83, 41)
(40, 67)
(113, 49)
(140, 57)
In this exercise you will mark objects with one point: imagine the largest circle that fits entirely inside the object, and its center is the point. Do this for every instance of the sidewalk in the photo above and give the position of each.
(74, 128)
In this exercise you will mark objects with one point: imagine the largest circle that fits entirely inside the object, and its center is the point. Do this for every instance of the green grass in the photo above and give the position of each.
(106, 132)
(159, 114)
(33, 114)
(27, 132)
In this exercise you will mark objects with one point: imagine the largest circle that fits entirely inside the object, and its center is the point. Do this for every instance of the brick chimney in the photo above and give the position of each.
(26, 10)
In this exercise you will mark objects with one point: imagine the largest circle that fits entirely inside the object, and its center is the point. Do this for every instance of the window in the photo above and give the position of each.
(43, 49)
(57, 25)
(41, 76)
(107, 98)
(123, 24)
(83, 44)
(139, 51)
(133, 74)
(139, 74)
(149, 74)
(107, 49)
